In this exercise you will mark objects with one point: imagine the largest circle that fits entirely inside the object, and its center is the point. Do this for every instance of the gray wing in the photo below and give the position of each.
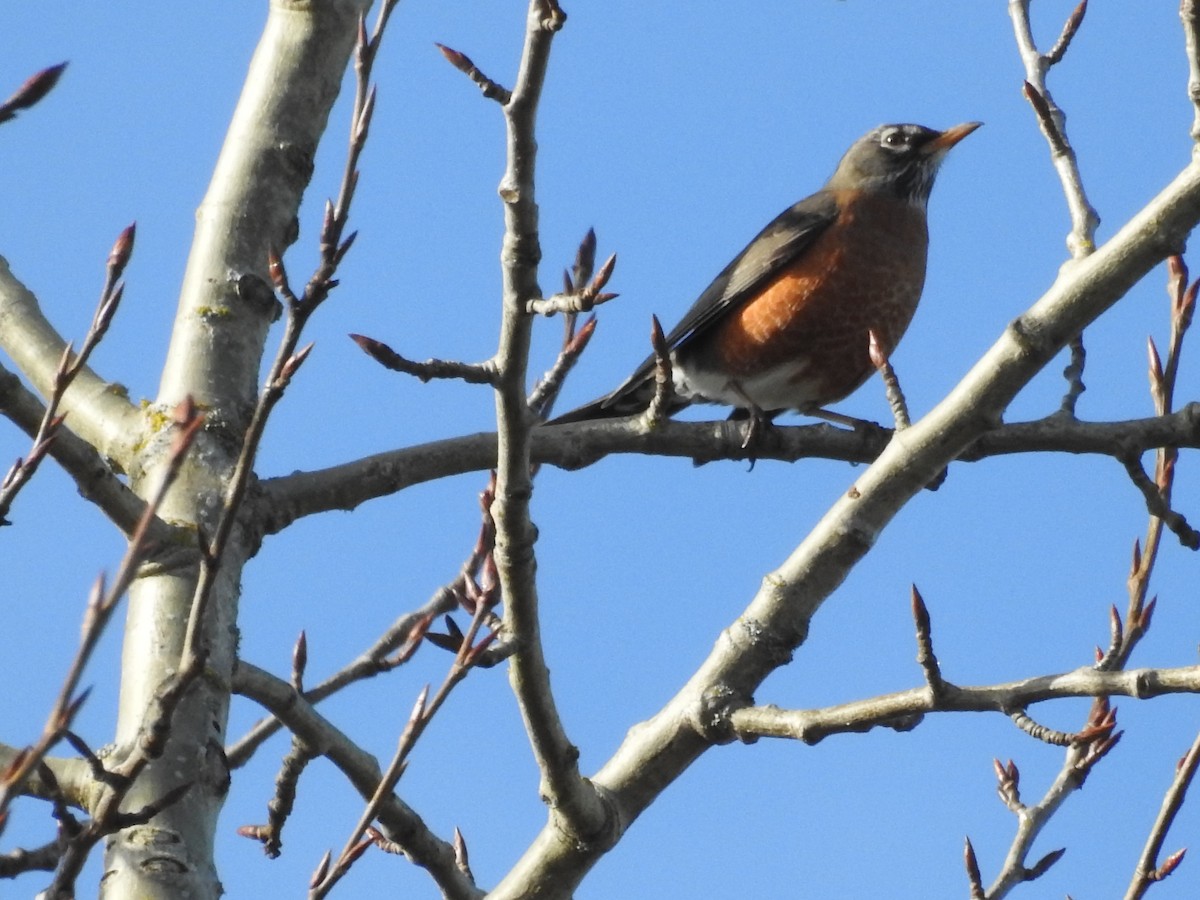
(772, 250)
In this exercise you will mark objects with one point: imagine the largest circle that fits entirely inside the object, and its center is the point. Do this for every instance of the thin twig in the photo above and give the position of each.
(1082, 238)
(70, 365)
(1157, 505)
(422, 714)
(463, 63)
(926, 658)
(472, 373)
(1147, 871)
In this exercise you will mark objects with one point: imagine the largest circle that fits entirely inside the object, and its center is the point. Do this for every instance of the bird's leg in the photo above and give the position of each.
(880, 360)
(758, 421)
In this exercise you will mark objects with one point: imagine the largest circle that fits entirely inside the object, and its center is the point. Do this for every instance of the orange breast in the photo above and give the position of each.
(865, 271)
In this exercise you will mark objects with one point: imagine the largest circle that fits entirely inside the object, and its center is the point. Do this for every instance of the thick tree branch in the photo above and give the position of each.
(93, 476)
(280, 501)
(575, 807)
(225, 309)
(98, 411)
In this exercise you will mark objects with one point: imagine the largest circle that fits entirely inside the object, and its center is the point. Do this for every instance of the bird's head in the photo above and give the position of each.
(899, 159)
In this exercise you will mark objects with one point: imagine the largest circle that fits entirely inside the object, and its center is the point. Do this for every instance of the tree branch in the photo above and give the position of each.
(99, 411)
(575, 807)
(399, 821)
(93, 476)
(904, 710)
(282, 500)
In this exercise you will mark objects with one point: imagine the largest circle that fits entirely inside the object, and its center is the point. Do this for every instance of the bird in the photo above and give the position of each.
(787, 324)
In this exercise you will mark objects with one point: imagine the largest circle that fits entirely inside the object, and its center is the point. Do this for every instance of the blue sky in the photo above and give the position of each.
(676, 132)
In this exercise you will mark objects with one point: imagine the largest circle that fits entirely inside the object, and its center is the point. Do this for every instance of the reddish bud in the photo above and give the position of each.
(1156, 370)
(1170, 864)
(276, 271)
(460, 61)
(357, 851)
(295, 362)
(605, 272)
(657, 340)
(118, 257)
(321, 871)
(1186, 307)
(1147, 614)
(972, 865)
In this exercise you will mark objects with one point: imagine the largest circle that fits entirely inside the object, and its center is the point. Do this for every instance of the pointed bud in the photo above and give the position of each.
(299, 661)
(345, 248)
(605, 273)
(32, 91)
(1040, 867)
(322, 870)
(920, 611)
(1185, 308)
(1147, 614)
(1170, 864)
(276, 271)
(118, 257)
(460, 61)
(1177, 274)
(295, 362)
(657, 340)
(418, 709)
(461, 857)
(361, 41)
(1156, 369)
(356, 853)
(363, 125)
(972, 865)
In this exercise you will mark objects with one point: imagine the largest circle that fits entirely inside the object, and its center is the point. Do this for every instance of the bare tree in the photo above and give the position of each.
(178, 478)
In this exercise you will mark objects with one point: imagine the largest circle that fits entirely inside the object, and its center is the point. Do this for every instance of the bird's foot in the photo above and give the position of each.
(759, 432)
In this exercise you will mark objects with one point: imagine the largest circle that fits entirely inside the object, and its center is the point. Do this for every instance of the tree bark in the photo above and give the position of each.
(225, 310)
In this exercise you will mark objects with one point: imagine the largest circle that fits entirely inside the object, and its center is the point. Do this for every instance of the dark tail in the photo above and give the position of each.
(630, 399)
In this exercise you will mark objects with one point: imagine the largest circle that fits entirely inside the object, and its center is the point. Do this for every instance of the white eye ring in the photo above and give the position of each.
(893, 138)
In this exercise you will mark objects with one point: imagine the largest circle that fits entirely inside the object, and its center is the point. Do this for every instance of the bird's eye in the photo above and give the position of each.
(893, 138)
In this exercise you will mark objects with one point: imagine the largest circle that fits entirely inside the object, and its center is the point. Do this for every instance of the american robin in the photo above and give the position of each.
(786, 324)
